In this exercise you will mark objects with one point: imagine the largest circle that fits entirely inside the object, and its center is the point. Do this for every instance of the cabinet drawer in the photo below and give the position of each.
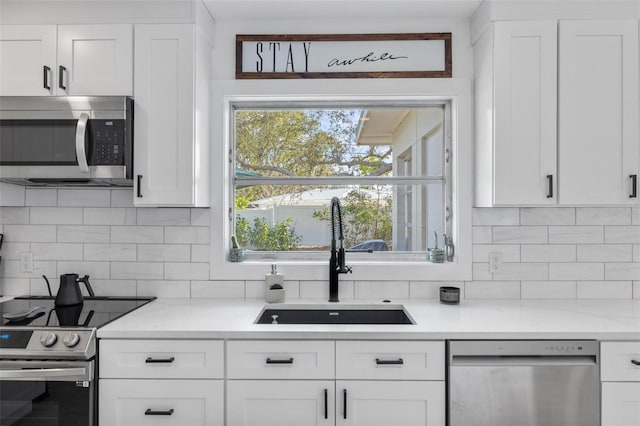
(161, 359)
(621, 404)
(390, 360)
(166, 402)
(279, 359)
(620, 361)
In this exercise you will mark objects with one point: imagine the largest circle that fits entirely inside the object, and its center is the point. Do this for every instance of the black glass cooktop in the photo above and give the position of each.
(40, 311)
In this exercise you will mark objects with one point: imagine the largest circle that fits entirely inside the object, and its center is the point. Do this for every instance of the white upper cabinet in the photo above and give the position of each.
(172, 91)
(580, 83)
(50, 60)
(27, 60)
(598, 112)
(95, 60)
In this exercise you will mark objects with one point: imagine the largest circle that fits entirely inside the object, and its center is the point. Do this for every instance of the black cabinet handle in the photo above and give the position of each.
(398, 361)
(61, 71)
(279, 361)
(139, 194)
(150, 412)
(45, 77)
(344, 403)
(326, 404)
(159, 360)
(634, 186)
(550, 186)
(635, 362)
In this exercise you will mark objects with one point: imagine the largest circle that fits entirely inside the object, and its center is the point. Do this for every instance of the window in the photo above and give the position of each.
(389, 163)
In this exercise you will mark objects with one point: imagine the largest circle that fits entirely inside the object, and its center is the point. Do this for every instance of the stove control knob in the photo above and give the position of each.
(48, 339)
(71, 339)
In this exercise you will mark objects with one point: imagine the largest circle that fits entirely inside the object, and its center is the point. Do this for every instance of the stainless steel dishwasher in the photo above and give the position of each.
(523, 383)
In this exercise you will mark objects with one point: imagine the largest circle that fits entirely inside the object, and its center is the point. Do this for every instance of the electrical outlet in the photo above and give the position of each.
(495, 262)
(26, 262)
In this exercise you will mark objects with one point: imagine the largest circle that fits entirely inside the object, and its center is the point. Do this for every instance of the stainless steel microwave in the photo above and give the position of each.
(66, 141)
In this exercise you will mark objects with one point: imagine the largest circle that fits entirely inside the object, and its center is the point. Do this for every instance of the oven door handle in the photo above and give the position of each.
(43, 374)
(81, 154)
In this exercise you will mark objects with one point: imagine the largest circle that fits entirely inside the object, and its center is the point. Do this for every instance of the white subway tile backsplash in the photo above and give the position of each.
(603, 216)
(492, 290)
(137, 234)
(83, 234)
(200, 217)
(186, 235)
(14, 215)
(15, 286)
(320, 290)
(11, 269)
(72, 197)
(255, 289)
(382, 290)
(547, 216)
(122, 198)
(636, 252)
(164, 253)
(576, 235)
(41, 197)
(496, 216)
(218, 289)
(56, 215)
(113, 216)
(605, 290)
(576, 271)
(11, 195)
(431, 289)
(622, 271)
(97, 270)
(509, 252)
(482, 235)
(11, 251)
(520, 235)
(186, 271)
(168, 289)
(38, 286)
(124, 288)
(636, 289)
(480, 272)
(522, 271)
(605, 252)
(137, 271)
(164, 216)
(110, 252)
(635, 216)
(30, 233)
(548, 253)
(200, 253)
(548, 289)
(622, 234)
(56, 251)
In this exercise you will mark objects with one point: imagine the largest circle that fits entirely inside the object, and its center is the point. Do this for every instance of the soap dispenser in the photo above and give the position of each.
(274, 281)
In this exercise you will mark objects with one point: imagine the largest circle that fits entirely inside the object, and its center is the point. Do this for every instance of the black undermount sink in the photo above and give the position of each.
(327, 315)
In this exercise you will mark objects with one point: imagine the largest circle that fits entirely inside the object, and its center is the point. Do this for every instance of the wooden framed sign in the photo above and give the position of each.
(415, 55)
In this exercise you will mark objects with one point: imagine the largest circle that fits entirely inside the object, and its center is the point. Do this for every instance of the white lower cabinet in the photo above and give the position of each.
(384, 403)
(620, 375)
(280, 402)
(165, 402)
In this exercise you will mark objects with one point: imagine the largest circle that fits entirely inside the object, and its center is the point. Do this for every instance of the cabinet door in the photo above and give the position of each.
(384, 403)
(164, 129)
(95, 60)
(598, 118)
(27, 60)
(280, 403)
(165, 402)
(621, 404)
(525, 113)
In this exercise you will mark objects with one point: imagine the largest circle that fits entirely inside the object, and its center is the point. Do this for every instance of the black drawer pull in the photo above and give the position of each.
(398, 361)
(550, 189)
(150, 412)
(159, 360)
(344, 403)
(139, 193)
(326, 404)
(634, 186)
(61, 71)
(279, 361)
(635, 362)
(45, 77)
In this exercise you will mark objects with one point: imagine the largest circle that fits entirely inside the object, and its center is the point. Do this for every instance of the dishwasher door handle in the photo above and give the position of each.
(473, 360)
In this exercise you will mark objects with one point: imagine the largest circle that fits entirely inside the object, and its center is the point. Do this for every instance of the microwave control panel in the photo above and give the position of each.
(108, 142)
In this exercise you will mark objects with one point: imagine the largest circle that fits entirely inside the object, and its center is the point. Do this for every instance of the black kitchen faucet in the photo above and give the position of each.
(336, 261)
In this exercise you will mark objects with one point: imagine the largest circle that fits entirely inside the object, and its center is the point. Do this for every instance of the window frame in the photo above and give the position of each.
(300, 267)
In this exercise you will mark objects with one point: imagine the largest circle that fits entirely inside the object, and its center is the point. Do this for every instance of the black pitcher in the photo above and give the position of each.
(69, 292)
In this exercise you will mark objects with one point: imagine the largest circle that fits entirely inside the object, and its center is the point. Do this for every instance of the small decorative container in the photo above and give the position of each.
(436, 255)
(275, 294)
(236, 255)
(450, 295)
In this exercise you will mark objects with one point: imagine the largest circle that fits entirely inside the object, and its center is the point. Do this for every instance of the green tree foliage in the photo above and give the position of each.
(279, 237)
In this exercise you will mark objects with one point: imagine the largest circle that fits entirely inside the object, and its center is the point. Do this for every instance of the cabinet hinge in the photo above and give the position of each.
(230, 156)
(230, 214)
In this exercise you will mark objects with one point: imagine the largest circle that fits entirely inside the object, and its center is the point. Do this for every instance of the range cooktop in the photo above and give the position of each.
(40, 311)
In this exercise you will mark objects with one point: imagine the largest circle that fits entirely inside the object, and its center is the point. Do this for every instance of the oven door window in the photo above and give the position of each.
(47, 401)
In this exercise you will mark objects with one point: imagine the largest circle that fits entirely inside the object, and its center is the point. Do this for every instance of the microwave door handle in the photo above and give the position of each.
(81, 154)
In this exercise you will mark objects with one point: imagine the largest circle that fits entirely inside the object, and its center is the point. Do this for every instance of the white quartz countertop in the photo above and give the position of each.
(514, 319)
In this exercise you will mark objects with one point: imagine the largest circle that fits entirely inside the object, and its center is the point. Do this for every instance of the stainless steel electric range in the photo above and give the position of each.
(48, 359)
